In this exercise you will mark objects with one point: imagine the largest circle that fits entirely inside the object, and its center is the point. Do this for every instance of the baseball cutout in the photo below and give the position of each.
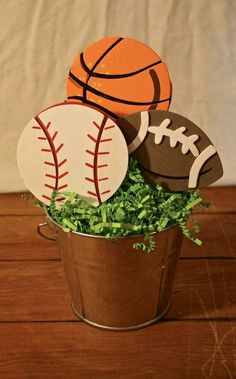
(72, 147)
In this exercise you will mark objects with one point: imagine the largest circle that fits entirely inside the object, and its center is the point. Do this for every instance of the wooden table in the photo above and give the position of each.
(40, 337)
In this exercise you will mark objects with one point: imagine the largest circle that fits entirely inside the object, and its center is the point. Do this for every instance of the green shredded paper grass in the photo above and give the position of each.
(137, 208)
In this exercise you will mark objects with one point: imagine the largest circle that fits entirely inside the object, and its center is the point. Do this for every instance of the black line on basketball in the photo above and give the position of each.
(109, 97)
(113, 115)
(170, 91)
(115, 76)
(156, 87)
(106, 52)
(99, 60)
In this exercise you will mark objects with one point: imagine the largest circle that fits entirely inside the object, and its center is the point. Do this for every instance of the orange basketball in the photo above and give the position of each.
(120, 76)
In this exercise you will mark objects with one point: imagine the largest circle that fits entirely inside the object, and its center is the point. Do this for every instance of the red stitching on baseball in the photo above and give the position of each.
(100, 180)
(63, 186)
(49, 198)
(49, 186)
(92, 193)
(109, 127)
(95, 124)
(89, 165)
(49, 163)
(95, 166)
(99, 166)
(89, 179)
(102, 140)
(59, 148)
(59, 177)
(46, 197)
(62, 162)
(50, 176)
(90, 152)
(97, 153)
(55, 162)
(54, 136)
(58, 188)
(42, 138)
(35, 127)
(103, 193)
(92, 138)
(92, 180)
(47, 150)
(106, 140)
(62, 175)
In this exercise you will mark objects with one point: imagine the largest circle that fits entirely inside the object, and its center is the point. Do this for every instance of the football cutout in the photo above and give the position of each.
(72, 147)
(171, 150)
(120, 76)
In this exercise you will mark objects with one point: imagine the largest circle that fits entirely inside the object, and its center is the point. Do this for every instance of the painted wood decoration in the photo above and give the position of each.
(72, 147)
(171, 150)
(120, 76)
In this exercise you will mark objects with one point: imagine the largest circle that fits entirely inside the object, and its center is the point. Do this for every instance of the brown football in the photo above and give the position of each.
(171, 150)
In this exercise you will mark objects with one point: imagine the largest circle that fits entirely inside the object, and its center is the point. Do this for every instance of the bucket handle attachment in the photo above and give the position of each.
(39, 230)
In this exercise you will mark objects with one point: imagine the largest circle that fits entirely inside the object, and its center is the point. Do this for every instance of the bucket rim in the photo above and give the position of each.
(104, 237)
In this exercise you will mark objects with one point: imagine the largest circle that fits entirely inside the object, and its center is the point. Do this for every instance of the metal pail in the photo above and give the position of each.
(112, 285)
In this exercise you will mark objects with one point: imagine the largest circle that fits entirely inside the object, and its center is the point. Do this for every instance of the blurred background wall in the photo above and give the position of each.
(196, 39)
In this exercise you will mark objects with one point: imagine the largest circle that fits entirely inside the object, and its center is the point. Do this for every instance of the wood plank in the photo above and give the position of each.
(37, 291)
(204, 289)
(13, 204)
(180, 350)
(217, 232)
(34, 291)
(223, 198)
(19, 239)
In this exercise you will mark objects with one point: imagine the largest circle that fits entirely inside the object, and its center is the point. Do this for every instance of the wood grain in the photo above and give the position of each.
(19, 239)
(223, 200)
(41, 338)
(204, 289)
(179, 350)
(13, 204)
(217, 233)
(37, 291)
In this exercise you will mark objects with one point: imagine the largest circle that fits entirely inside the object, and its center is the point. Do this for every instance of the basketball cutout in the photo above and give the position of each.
(72, 147)
(120, 76)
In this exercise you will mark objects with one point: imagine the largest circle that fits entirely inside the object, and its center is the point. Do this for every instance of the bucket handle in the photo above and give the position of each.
(39, 230)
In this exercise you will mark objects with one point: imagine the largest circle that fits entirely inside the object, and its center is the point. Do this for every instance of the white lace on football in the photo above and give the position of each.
(141, 134)
(176, 136)
(207, 153)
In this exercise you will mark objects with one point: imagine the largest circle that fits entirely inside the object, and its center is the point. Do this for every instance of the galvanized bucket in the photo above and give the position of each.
(112, 285)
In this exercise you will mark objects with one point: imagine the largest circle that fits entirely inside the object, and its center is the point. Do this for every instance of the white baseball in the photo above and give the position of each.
(72, 147)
